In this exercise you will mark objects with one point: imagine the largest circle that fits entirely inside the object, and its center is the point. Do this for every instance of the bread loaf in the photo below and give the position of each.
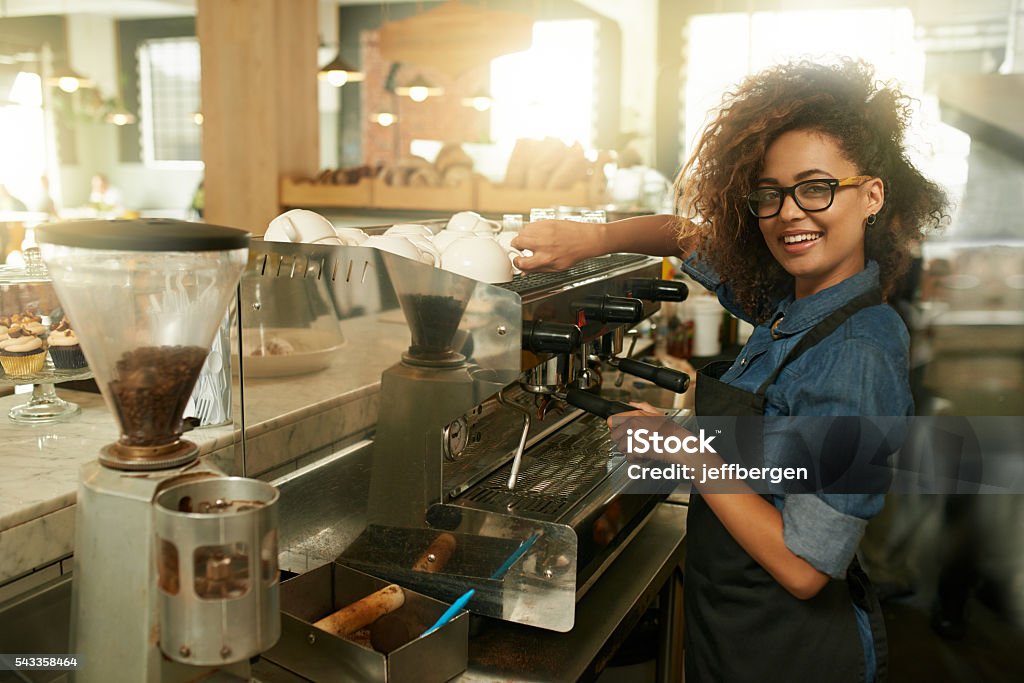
(544, 163)
(452, 156)
(519, 162)
(424, 177)
(570, 170)
(457, 175)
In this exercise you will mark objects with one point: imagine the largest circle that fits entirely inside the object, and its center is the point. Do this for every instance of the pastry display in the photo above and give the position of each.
(275, 346)
(30, 315)
(65, 351)
(22, 353)
(29, 320)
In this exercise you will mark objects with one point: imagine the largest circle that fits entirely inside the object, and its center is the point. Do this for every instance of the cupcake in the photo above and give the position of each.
(64, 348)
(22, 353)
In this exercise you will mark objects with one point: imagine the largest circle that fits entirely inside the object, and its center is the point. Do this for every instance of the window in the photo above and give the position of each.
(724, 48)
(169, 102)
(22, 135)
(548, 90)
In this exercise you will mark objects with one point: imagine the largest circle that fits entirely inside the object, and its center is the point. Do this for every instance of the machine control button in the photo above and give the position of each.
(456, 438)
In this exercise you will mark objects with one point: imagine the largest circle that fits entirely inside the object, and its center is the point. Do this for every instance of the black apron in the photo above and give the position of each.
(741, 624)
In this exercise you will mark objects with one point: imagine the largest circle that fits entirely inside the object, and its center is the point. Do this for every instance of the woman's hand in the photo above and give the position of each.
(620, 423)
(642, 410)
(558, 245)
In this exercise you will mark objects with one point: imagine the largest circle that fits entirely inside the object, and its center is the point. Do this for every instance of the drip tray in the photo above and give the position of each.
(554, 475)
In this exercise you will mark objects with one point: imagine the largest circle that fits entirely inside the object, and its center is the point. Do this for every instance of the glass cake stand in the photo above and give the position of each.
(29, 289)
(45, 406)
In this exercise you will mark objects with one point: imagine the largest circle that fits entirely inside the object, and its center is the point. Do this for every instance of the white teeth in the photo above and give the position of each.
(793, 239)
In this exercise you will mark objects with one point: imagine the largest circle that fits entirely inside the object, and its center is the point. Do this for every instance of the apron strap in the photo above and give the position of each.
(823, 329)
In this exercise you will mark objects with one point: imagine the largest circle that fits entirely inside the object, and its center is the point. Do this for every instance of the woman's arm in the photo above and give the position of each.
(752, 521)
(557, 245)
(757, 526)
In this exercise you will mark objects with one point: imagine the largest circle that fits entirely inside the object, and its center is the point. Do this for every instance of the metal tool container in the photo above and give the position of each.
(217, 566)
(321, 656)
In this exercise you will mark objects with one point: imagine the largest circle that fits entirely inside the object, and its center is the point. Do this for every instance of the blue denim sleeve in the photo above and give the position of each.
(706, 276)
(849, 377)
(821, 534)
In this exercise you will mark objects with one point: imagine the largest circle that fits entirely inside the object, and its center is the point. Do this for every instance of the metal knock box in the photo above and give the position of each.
(322, 656)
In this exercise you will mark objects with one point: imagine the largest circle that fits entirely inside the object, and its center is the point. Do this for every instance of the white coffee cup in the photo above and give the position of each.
(407, 229)
(425, 246)
(301, 225)
(353, 237)
(707, 323)
(471, 221)
(479, 257)
(505, 239)
(396, 244)
(444, 238)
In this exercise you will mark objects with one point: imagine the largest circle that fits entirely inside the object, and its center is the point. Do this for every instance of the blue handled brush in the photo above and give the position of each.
(463, 599)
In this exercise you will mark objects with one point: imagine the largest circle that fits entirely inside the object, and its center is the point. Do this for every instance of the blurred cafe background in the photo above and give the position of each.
(233, 112)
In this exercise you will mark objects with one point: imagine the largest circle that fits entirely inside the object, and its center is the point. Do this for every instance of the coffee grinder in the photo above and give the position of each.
(175, 564)
(431, 386)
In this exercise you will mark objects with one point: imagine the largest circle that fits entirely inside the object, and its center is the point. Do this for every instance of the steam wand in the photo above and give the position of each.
(517, 460)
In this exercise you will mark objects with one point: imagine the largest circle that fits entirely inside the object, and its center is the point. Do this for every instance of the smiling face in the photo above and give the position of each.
(821, 248)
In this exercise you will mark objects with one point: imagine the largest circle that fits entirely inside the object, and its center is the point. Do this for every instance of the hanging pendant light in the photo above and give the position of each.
(119, 116)
(481, 101)
(384, 118)
(419, 89)
(338, 72)
(68, 80)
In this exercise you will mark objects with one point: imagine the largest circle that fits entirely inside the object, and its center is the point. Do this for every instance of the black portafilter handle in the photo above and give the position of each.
(551, 337)
(612, 309)
(654, 289)
(666, 378)
(592, 403)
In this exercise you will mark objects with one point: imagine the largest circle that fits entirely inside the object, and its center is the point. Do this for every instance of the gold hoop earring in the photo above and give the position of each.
(872, 219)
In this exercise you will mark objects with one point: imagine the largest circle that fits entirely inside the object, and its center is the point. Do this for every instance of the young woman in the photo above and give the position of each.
(798, 208)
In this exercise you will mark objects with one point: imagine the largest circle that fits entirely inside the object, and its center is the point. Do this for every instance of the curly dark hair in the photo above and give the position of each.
(866, 120)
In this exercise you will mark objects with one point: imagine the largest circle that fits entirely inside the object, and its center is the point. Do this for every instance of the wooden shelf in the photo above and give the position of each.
(442, 198)
(297, 193)
(479, 195)
(500, 199)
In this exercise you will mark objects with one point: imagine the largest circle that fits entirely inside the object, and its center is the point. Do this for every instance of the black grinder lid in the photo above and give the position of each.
(142, 234)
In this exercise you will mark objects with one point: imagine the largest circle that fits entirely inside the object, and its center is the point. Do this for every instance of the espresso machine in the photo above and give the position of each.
(175, 564)
(492, 465)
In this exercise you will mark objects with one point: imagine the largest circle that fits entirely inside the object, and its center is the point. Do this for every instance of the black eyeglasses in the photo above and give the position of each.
(810, 195)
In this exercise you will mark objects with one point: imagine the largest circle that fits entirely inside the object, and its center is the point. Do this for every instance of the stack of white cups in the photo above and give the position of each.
(469, 244)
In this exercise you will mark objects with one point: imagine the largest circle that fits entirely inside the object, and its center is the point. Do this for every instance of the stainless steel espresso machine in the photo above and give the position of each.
(492, 466)
(175, 564)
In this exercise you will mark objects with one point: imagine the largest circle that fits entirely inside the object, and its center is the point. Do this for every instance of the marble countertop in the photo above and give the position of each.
(40, 463)
(289, 421)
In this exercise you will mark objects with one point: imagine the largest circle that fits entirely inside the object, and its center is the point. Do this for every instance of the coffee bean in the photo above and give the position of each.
(150, 390)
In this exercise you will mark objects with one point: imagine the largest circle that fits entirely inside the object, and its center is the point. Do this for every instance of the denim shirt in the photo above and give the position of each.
(861, 369)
